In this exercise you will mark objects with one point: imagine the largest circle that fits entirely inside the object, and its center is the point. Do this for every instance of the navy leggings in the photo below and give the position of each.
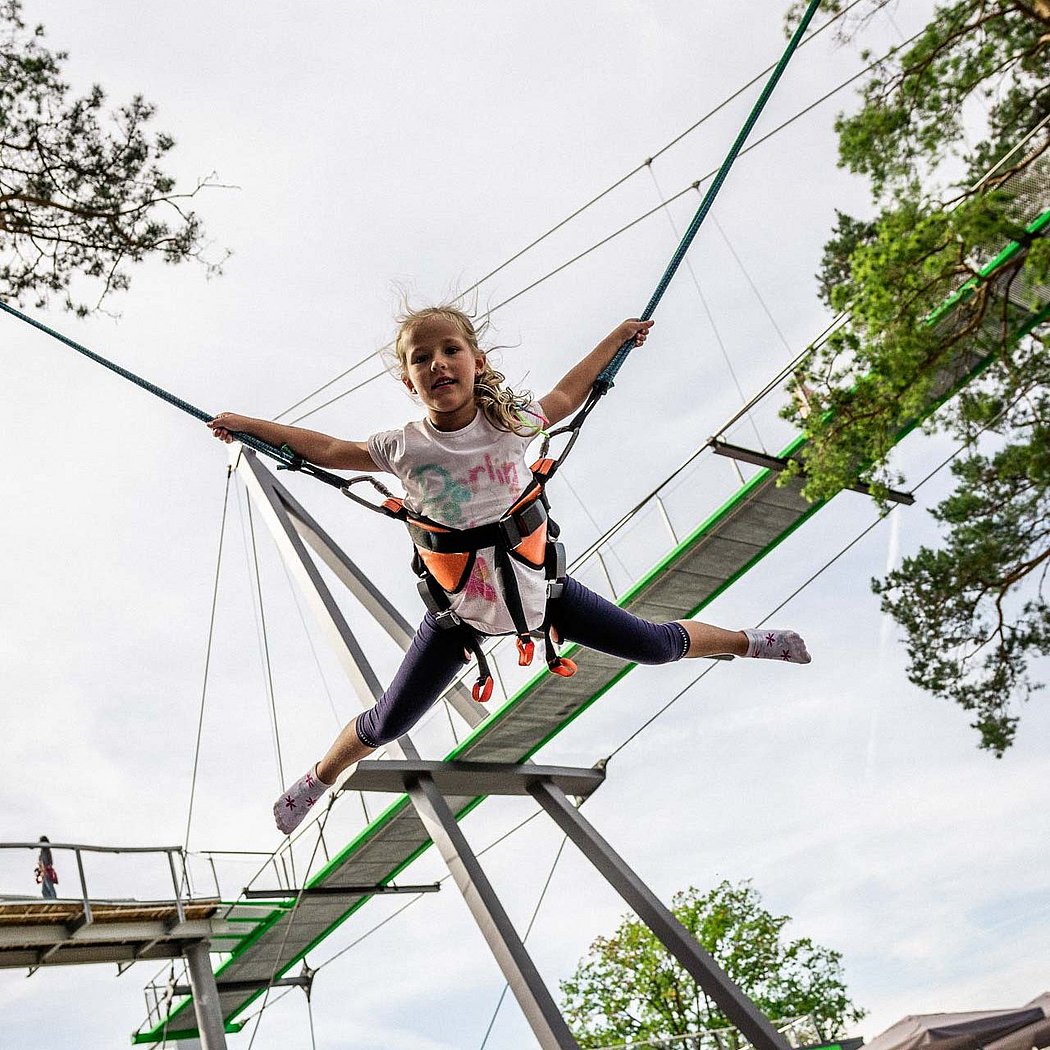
(580, 615)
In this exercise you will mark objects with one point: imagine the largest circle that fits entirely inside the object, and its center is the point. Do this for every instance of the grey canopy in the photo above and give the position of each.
(1018, 1029)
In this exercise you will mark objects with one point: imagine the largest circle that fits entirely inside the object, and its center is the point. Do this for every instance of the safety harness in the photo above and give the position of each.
(444, 558)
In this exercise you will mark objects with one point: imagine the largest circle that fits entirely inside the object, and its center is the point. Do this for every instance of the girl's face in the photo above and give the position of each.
(440, 367)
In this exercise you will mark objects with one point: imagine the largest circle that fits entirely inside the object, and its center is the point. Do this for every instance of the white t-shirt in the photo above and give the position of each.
(463, 478)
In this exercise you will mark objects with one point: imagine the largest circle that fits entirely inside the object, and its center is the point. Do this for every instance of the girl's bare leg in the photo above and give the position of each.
(293, 805)
(767, 643)
(345, 751)
(706, 640)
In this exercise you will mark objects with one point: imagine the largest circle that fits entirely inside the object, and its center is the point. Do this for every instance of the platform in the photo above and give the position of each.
(35, 933)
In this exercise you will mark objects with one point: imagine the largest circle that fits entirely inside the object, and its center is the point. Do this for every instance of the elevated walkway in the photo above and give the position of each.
(63, 932)
(716, 553)
(92, 929)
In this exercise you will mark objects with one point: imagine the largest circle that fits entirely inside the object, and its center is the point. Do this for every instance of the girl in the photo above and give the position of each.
(463, 466)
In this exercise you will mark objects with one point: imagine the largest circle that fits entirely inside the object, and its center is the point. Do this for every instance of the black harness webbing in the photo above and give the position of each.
(444, 559)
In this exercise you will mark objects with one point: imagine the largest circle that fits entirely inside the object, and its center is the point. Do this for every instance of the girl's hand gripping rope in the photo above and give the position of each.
(226, 424)
(632, 329)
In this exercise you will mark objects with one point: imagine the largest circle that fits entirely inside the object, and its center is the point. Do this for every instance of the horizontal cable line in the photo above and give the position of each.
(663, 149)
(324, 386)
(564, 222)
(641, 218)
(681, 193)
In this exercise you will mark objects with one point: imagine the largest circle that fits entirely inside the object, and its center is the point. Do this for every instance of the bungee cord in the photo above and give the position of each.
(258, 445)
(605, 379)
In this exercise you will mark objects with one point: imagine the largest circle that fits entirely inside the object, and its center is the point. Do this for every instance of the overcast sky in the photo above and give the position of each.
(373, 147)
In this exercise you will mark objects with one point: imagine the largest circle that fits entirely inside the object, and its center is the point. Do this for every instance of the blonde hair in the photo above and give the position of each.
(503, 408)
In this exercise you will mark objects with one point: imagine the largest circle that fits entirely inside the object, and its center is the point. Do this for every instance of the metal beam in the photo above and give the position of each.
(471, 779)
(250, 986)
(205, 997)
(90, 955)
(648, 907)
(547, 1023)
(43, 936)
(777, 463)
(338, 891)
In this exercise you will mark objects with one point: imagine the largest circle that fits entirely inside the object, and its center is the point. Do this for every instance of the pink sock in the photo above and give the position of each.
(294, 803)
(772, 644)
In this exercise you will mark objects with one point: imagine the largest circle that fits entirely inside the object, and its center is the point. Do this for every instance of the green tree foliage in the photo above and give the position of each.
(82, 195)
(627, 988)
(952, 134)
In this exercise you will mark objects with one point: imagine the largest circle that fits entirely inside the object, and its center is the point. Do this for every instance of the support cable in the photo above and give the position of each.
(289, 919)
(310, 1016)
(647, 163)
(751, 284)
(265, 642)
(843, 316)
(708, 313)
(605, 380)
(207, 660)
(525, 937)
(623, 229)
(414, 900)
(827, 565)
(681, 193)
(573, 215)
(340, 721)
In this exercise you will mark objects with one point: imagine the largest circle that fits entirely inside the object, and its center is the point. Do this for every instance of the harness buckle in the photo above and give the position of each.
(446, 618)
(515, 527)
(555, 568)
(510, 532)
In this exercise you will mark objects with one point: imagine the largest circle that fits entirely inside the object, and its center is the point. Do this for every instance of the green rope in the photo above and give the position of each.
(283, 455)
(605, 380)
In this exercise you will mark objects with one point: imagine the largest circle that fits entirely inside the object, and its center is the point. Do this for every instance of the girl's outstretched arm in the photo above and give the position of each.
(575, 385)
(315, 447)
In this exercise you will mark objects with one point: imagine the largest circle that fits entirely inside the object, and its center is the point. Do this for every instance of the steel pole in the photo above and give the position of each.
(658, 917)
(205, 997)
(548, 1025)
